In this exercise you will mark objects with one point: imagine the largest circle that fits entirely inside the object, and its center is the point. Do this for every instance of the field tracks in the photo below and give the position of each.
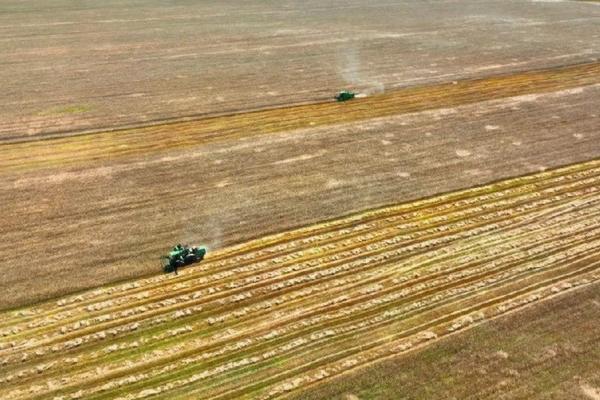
(230, 259)
(265, 318)
(105, 146)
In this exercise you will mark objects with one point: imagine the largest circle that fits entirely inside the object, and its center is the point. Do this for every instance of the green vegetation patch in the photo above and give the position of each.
(66, 110)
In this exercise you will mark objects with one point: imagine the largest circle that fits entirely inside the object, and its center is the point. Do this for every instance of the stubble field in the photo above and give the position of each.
(69, 67)
(548, 351)
(276, 315)
(456, 198)
(455, 100)
(119, 199)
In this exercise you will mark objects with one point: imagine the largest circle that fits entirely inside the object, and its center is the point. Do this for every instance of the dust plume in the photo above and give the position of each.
(205, 232)
(349, 67)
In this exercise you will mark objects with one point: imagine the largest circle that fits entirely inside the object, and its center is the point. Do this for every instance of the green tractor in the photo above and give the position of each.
(345, 95)
(182, 255)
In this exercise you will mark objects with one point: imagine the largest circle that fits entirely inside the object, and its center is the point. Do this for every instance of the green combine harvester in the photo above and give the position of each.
(180, 256)
(345, 95)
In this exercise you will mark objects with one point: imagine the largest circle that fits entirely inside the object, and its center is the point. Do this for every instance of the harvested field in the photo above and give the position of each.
(550, 350)
(124, 197)
(459, 192)
(270, 317)
(69, 66)
(110, 145)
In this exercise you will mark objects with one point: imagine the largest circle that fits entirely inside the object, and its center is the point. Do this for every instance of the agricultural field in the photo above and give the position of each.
(269, 317)
(438, 236)
(551, 350)
(72, 66)
(442, 113)
(124, 197)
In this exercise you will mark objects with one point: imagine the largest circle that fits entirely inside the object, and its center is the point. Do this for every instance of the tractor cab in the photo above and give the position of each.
(345, 95)
(180, 256)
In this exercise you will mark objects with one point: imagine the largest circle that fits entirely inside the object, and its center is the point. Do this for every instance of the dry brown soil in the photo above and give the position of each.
(67, 66)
